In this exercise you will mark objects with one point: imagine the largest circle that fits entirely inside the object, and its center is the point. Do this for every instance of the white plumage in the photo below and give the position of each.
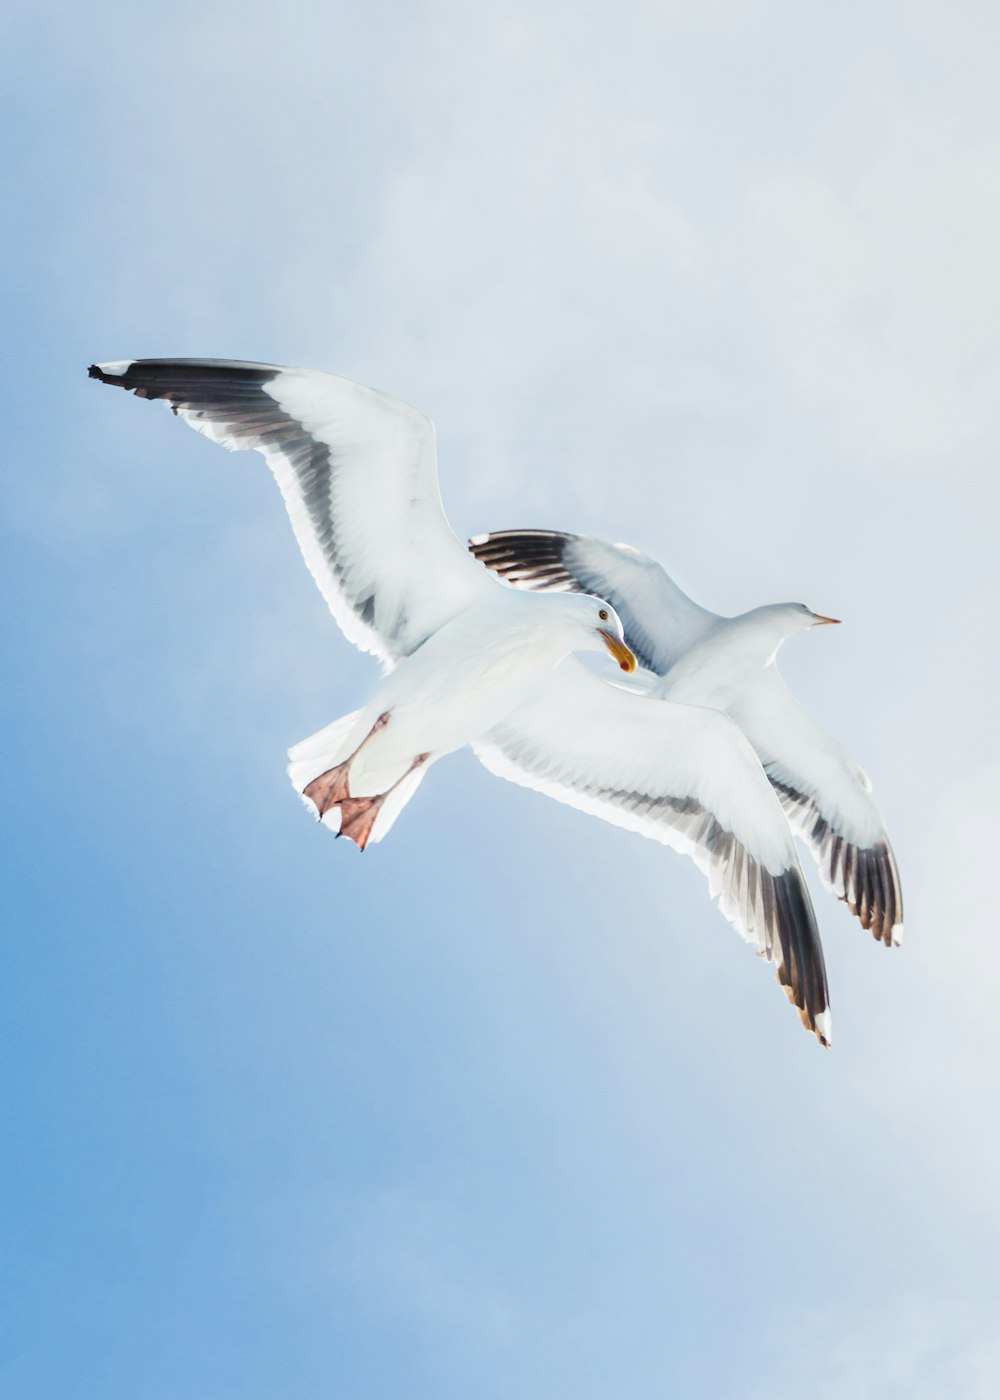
(470, 661)
(729, 664)
(684, 776)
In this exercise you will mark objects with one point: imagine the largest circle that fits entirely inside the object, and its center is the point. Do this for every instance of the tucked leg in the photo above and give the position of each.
(358, 814)
(328, 789)
(332, 787)
(357, 817)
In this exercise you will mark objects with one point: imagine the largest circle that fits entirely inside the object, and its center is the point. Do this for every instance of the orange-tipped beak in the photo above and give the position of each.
(619, 651)
(825, 621)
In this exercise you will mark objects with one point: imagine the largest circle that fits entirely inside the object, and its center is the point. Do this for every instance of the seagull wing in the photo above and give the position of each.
(358, 473)
(659, 619)
(686, 777)
(826, 796)
(828, 800)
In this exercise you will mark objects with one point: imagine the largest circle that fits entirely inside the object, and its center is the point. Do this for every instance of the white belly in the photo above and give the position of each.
(454, 690)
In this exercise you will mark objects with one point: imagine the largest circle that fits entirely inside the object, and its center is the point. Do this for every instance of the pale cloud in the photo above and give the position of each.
(887, 289)
(411, 1254)
(963, 836)
(932, 1028)
(907, 1348)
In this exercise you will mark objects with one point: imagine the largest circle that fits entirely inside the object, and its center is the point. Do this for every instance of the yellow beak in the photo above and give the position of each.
(825, 621)
(619, 651)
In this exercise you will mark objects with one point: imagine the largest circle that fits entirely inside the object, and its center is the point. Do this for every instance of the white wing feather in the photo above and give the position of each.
(826, 796)
(683, 776)
(661, 622)
(828, 800)
(358, 473)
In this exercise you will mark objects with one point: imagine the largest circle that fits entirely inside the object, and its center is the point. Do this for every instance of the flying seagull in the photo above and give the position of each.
(464, 655)
(729, 663)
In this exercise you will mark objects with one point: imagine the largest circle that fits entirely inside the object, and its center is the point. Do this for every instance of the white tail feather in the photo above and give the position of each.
(395, 802)
(330, 746)
(313, 756)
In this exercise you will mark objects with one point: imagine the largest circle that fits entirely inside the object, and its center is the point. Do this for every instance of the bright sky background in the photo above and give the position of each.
(502, 1110)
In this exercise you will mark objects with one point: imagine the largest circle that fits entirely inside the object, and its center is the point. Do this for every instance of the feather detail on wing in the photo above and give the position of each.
(823, 792)
(828, 800)
(358, 473)
(683, 776)
(659, 619)
(865, 877)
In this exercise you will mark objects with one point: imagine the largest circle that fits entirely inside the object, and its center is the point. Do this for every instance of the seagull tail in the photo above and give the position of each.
(330, 746)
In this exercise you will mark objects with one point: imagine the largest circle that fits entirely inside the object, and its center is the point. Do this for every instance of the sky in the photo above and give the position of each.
(502, 1108)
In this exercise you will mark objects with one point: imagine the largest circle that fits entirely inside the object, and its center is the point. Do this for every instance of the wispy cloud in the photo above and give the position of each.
(886, 285)
(907, 1348)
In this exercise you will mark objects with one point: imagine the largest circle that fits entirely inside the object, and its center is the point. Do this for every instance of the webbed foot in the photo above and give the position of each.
(357, 817)
(329, 788)
(332, 787)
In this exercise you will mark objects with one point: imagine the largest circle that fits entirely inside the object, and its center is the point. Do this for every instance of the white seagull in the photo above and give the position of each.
(729, 664)
(470, 661)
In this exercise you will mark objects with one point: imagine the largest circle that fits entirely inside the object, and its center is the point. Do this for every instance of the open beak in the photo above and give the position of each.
(619, 651)
(820, 621)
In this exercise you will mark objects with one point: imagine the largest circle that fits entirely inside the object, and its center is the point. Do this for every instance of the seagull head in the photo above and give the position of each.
(814, 619)
(597, 627)
(790, 618)
(766, 628)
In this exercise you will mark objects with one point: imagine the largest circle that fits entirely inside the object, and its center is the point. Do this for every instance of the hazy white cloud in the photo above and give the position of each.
(886, 283)
(906, 1348)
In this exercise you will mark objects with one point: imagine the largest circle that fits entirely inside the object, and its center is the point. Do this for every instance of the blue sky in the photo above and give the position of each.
(455, 1118)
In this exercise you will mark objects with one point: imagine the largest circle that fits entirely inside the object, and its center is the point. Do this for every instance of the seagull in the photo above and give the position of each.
(697, 657)
(467, 660)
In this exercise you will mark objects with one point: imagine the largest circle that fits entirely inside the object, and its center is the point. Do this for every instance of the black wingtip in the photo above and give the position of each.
(120, 381)
(802, 971)
(866, 878)
(530, 559)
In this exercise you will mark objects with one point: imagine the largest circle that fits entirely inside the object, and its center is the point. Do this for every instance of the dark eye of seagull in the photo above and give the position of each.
(603, 614)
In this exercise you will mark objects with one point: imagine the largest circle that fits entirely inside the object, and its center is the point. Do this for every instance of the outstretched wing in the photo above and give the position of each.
(659, 619)
(686, 777)
(358, 473)
(828, 800)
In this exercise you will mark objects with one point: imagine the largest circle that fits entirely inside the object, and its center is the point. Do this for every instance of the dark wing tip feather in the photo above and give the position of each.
(868, 882)
(128, 374)
(801, 971)
(527, 558)
(866, 878)
(127, 380)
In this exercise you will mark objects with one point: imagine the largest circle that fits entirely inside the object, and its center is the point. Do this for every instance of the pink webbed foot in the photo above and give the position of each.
(357, 817)
(332, 787)
(329, 789)
(357, 814)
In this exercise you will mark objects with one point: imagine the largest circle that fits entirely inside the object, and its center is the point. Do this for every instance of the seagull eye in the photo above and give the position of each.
(603, 614)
